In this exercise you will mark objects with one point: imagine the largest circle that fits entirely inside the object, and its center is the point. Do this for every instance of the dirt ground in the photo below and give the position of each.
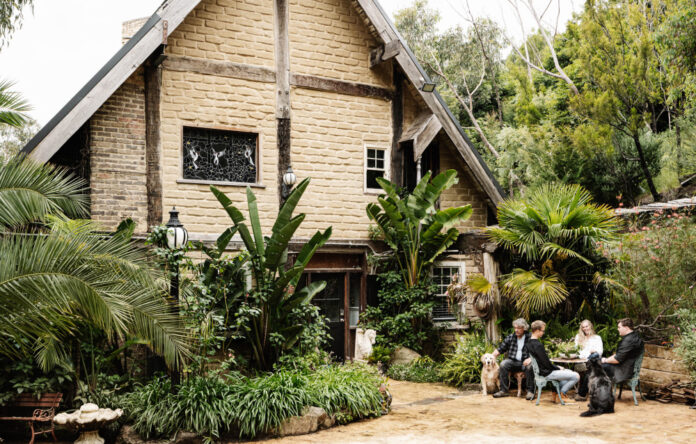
(435, 413)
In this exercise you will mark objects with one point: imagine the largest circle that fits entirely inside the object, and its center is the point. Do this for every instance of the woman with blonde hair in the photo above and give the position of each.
(590, 344)
(588, 341)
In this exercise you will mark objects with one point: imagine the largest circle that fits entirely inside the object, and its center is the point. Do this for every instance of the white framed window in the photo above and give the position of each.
(442, 277)
(376, 165)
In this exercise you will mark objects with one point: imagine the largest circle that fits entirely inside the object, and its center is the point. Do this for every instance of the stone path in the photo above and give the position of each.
(435, 413)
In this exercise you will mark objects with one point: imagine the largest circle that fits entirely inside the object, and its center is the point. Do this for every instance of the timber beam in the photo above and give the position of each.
(384, 52)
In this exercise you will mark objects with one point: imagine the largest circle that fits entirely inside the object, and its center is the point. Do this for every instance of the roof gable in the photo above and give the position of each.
(171, 14)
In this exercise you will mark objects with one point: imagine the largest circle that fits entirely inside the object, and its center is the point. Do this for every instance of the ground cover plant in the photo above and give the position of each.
(217, 404)
(463, 365)
(423, 369)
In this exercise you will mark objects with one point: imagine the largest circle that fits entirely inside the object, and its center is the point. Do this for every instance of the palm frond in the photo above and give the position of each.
(29, 191)
(13, 107)
(533, 292)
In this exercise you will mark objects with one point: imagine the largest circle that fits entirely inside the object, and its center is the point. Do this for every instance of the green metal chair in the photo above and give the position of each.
(541, 381)
(633, 382)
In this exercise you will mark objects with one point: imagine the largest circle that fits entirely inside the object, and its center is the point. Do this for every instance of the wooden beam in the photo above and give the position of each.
(340, 86)
(384, 53)
(282, 59)
(153, 143)
(397, 112)
(222, 69)
(422, 131)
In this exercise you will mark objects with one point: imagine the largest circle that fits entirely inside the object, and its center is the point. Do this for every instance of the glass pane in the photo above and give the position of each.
(371, 163)
(371, 154)
(372, 176)
(330, 299)
(380, 154)
(442, 278)
(354, 301)
(380, 164)
(215, 155)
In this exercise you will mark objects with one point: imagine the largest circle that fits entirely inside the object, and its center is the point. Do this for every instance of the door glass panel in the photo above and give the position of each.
(330, 299)
(354, 301)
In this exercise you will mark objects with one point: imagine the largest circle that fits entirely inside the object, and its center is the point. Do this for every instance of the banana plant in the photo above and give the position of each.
(273, 297)
(413, 228)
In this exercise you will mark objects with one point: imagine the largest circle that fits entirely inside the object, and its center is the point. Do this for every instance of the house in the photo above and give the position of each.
(233, 93)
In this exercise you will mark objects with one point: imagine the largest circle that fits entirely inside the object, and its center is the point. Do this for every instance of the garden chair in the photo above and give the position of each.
(541, 381)
(633, 382)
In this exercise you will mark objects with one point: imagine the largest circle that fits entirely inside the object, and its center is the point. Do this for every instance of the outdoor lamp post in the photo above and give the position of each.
(177, 236)
(289, 180)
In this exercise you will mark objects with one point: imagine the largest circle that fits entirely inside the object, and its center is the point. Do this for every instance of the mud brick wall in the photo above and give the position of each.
(661, 366)
(117, 157)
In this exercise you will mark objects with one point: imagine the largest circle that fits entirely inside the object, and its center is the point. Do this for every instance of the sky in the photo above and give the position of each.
(65, 42)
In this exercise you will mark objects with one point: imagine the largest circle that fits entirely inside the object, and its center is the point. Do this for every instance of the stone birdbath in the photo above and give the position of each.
(88, 420)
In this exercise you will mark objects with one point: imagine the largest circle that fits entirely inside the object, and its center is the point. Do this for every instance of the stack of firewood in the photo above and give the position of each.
(680, 392)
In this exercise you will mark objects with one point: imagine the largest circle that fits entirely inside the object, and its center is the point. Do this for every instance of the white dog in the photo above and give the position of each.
(489, 374)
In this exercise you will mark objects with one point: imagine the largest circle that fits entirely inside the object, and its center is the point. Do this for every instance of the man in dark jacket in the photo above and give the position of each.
(567, 378)
(515, 348)
(619, 366)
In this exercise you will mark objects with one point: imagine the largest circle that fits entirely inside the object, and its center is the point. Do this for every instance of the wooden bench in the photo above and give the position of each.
(44, 411)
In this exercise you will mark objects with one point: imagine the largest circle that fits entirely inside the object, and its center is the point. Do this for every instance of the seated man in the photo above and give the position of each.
(619, 366)
(515, 345)
(567, 378)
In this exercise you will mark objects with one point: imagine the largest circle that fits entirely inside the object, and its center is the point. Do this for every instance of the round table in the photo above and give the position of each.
(569, 361)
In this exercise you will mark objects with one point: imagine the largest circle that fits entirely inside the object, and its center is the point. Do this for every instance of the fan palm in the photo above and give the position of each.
(554, 230)
(12, 107)
(65, 276)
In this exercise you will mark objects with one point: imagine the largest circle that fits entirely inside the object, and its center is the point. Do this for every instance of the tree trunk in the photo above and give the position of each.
(677, 131)
(646, 171)
(490, 272)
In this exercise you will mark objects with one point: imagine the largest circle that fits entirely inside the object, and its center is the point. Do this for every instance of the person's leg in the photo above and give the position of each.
(609, 369)
(529, 377)
(506, 367)
(568, 378)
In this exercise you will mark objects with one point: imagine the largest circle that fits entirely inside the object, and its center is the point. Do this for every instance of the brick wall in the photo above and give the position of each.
(463, 193)
(661, 366)
(239, 31)
(329, 134)
(328, 39)
(208, 101)
(117, 157)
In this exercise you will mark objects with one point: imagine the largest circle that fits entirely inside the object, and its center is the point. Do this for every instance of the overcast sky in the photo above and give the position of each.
(64, 43)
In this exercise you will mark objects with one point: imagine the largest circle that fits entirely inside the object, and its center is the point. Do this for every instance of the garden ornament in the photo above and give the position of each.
(364, 339)
(88, 420)
(456, 298)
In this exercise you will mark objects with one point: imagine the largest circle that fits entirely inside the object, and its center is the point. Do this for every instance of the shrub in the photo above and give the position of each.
(464, 365)
(686, 347)
(422, 369)
(213, 406)
(402, 316)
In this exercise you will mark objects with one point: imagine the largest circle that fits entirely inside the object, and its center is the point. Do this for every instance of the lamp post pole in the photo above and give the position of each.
(177, 236)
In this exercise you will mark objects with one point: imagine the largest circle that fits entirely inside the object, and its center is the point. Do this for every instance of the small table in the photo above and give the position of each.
(569, 361)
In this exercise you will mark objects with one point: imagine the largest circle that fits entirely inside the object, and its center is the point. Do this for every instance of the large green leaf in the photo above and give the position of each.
(237, 218)
(308, 249)
(255, 222)
(278, 242)
(286, 210)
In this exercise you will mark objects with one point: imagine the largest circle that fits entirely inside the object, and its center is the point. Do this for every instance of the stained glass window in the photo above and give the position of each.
(220, 156)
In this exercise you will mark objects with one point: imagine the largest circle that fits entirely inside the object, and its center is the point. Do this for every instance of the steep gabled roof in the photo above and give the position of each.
(170, 14)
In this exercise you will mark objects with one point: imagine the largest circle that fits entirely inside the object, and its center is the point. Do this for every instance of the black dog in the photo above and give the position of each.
(601, 398)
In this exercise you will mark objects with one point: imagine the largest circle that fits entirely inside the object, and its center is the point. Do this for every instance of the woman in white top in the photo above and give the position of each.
(588, 341)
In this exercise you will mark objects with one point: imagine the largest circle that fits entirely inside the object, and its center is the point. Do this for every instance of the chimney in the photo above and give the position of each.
(130, 27)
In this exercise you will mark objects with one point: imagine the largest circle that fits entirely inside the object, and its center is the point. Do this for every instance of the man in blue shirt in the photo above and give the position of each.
(515, 348)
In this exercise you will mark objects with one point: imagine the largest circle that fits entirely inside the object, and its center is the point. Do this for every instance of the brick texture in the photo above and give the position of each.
(117, 158)
(328, 39)
(239, 31)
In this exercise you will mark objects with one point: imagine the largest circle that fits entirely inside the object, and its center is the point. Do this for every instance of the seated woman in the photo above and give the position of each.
(567, 378)
(590, 344)
(588, 341)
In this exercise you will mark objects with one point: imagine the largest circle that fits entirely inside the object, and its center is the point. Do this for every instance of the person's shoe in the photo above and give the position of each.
(530, 396)
(500, 394)
(554, 397)
(566, 399)
(580, 398)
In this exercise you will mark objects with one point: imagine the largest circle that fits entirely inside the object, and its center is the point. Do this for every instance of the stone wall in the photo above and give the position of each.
(117, 157)
(661, 366)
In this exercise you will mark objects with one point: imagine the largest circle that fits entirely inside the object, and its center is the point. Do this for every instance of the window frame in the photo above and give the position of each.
(461, 265)
(259, 163)
(387, 171)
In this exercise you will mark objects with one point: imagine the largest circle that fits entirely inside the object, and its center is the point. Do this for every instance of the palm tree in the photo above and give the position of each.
(554, 230)
(64, 274)
(13, 107)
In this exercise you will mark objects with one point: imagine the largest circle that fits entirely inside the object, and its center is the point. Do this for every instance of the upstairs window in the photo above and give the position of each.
(375, 166)
(220, 156)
